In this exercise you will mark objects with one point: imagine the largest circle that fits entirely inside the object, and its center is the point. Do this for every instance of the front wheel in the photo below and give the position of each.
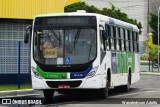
(48, 95)
(104, 91)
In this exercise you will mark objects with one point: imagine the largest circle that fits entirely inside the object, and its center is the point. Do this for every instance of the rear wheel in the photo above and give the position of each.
(126, 87)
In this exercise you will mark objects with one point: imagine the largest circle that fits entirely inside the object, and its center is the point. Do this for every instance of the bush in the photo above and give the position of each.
(144, 56)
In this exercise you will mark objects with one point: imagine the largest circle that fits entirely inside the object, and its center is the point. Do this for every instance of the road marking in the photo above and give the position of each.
(129, 94)
(20, 96)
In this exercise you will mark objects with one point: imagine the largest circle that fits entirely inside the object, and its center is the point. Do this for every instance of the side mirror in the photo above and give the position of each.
(27, 33)
(105, 34)
(26, 38)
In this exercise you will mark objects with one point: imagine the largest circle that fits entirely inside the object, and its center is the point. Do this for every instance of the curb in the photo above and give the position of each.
(150, 73)
(14, 93)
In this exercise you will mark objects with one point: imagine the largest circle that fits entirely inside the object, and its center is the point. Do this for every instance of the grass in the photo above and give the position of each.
(146, 63)
(7, 87)
(143, 71)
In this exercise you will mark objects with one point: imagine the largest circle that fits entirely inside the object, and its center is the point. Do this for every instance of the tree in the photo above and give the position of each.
(154, 25)
(153, 50)
(112, 12)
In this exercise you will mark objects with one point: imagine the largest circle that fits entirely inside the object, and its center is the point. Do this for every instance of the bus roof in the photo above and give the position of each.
(106, 19)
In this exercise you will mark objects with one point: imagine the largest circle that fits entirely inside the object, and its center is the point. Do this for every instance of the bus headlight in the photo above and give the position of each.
(92, 72)
(36, 73)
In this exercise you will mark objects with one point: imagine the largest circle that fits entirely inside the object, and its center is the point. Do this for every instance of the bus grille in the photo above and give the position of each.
(54, 84)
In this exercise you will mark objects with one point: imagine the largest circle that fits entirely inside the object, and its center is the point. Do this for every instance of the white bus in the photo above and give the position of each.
(79, 50)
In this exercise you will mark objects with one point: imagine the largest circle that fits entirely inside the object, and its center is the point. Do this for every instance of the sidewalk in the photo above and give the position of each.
(15, 93)
(151, 73)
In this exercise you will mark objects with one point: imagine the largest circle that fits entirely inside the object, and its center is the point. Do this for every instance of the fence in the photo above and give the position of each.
(10, 36)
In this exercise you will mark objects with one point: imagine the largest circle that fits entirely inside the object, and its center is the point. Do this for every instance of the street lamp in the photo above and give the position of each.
(158, 9)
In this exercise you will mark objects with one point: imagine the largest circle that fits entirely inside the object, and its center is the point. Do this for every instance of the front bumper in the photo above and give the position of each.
(96, 82)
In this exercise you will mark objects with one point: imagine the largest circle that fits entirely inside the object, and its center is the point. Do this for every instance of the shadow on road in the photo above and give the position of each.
(85, 97)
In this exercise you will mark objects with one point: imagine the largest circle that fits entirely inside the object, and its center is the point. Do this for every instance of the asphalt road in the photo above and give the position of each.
(147, 90)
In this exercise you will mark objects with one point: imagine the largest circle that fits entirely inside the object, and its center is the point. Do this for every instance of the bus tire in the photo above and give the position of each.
(125, 88)
(104, 91)
(48, 94)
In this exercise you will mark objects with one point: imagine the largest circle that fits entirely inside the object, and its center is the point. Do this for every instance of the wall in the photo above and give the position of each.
(27, 9)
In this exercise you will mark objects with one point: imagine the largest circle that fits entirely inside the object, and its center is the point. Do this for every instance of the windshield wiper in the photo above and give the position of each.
(76, 37)
(42, 27)
(55, 34)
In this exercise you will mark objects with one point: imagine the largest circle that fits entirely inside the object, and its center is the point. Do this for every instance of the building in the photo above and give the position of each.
(136, 9)
(15, 15)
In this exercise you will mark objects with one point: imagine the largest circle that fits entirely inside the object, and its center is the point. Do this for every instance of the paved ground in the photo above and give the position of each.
(147, 89)
(146, 68)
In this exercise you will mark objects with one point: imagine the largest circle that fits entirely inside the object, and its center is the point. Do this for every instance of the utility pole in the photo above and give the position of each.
(148, 32)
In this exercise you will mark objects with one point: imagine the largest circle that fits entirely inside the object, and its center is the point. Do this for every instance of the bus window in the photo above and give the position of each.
(137, 41)
(132, 41)
(126, 38)
(117, 36)
(108, 41)
(129, 44)
(135, 47)
(102, 42)
(114, 35)
(112, 38)
(122, 38)
(119, 39)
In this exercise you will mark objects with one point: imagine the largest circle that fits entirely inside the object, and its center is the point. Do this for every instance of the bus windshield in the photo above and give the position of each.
(63, 46)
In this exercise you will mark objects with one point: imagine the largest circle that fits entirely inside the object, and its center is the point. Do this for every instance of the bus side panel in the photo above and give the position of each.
(136, 74)
(122, 67)
(119, 62)
(131, 62)
(124, 62)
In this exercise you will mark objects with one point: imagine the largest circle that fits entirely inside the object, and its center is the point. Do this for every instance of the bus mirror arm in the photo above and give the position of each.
(105, 34)
(27, 34)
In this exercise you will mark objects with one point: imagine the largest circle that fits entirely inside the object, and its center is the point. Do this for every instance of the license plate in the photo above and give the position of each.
(63, 86)
(50, 53)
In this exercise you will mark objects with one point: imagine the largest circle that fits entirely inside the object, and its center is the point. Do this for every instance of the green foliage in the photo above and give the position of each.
(6, 87)
(81, 6)
(144, 56)
(153, 22)
(112, 12)
(153, 50)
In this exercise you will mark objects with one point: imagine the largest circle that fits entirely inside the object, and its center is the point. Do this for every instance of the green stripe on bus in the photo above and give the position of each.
(131, 62)
(124, 61)
(121, 62)
(52, 75)
(119, 68)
